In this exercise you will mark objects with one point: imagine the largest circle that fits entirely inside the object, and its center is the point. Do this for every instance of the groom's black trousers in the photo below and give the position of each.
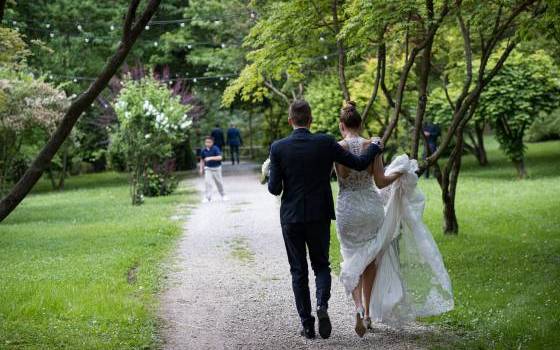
(316, 236)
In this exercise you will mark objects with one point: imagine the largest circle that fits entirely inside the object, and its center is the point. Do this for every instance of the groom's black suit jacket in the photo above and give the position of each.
(300, 167)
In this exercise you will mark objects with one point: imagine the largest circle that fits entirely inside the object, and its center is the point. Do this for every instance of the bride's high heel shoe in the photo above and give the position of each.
(360, 328)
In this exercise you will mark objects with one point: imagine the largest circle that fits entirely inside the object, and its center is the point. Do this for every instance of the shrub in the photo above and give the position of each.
(151, 122)
(545, 128)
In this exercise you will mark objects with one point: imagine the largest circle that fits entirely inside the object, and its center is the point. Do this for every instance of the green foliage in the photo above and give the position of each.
(30, 109)
(545, 127)
(159, 184)
(151, 122)
(323, 94)
(81, 268)
(13, 50)
(528, 84)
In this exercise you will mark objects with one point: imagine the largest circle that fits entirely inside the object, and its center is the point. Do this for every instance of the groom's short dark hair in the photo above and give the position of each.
(300, 112)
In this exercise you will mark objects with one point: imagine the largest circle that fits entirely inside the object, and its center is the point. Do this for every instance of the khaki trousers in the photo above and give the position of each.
(213, 175)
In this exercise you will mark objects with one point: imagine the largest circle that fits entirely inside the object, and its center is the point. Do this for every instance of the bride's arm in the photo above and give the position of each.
(340, 169)
(379, 173)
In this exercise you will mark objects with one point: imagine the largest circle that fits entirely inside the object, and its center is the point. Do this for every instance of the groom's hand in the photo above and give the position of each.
(377, 140)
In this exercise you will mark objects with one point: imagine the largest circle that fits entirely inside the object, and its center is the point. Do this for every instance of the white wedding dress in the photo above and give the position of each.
(386, 225)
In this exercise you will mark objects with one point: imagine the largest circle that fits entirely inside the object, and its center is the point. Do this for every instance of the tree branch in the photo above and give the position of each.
(43, 159)
(275, 90)
(129, 19)
(2, 6)
(380, 59)
(341, 53)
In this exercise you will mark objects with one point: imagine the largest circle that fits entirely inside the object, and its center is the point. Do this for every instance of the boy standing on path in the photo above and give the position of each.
(211, 167)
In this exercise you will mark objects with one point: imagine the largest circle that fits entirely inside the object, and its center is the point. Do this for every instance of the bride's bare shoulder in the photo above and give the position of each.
(343, 143)
(365, 143)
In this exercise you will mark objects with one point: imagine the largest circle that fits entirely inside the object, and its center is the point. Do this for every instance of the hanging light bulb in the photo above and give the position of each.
(155, 43)
(321, 39)
(182, 24)
(223, 46)
(47, 25)
(221, 78)
(325, 57)
(79, 26)
(194, 80)
(14, 23)
(86, 40)
(147, 27)
(112, 27)
(51, 35)
(75, 80)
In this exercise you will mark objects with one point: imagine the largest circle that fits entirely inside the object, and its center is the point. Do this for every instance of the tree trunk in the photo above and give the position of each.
(520, 166)
(51, 177)
(480, 149)
(251, 151)
(62, 176)
(449, 179)
(131, 31)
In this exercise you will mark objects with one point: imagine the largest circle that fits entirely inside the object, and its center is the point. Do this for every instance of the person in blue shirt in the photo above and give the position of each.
(211, 168)
(234, 140)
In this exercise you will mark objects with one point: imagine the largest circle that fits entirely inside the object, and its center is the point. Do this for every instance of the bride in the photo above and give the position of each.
(391, 264)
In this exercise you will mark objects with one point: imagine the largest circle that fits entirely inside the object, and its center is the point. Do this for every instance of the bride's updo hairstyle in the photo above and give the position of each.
(349, 116)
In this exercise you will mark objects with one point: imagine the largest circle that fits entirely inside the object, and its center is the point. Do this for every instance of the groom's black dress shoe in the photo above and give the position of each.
(308, 332)
(325, 326)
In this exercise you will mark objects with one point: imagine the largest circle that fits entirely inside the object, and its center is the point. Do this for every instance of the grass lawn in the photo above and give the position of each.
(505, 262)
(80, 268)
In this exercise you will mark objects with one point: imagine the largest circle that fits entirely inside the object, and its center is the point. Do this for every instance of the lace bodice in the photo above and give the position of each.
(356, 180)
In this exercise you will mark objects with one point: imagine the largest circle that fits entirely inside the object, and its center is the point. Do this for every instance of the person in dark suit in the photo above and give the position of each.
(234, 140)
(218, 135)
(300, 169)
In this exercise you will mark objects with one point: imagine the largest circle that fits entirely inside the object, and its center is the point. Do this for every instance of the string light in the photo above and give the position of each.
(112, 27)
(47, 25)
(182, 24)
(325, 57)
(79, 27)
(223, 46)
(321, 39)
(147, 27)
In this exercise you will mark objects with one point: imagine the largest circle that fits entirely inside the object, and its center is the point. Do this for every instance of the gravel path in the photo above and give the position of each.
(229, 286)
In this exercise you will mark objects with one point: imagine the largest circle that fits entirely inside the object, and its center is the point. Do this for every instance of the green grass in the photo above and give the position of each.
(79, 269)
(505, 262)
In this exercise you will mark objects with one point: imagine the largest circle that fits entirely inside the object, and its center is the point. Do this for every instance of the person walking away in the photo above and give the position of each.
(218, 135)
(234, 140)
(432, 132)
(211, 168)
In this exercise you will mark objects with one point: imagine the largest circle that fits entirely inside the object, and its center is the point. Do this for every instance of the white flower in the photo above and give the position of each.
(186, 124)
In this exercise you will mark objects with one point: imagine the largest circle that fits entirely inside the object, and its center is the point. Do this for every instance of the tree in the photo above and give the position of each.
(132, 28)
(527, 85)
(151, 121)
(30, 109)
(495, 24)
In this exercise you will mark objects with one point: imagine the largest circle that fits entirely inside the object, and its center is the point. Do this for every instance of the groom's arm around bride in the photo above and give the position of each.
(300, 169)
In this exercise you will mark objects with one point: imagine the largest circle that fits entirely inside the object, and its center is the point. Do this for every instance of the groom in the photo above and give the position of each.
(300, 169)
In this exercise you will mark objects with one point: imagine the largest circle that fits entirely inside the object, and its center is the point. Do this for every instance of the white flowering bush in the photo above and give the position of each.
(151, 121)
